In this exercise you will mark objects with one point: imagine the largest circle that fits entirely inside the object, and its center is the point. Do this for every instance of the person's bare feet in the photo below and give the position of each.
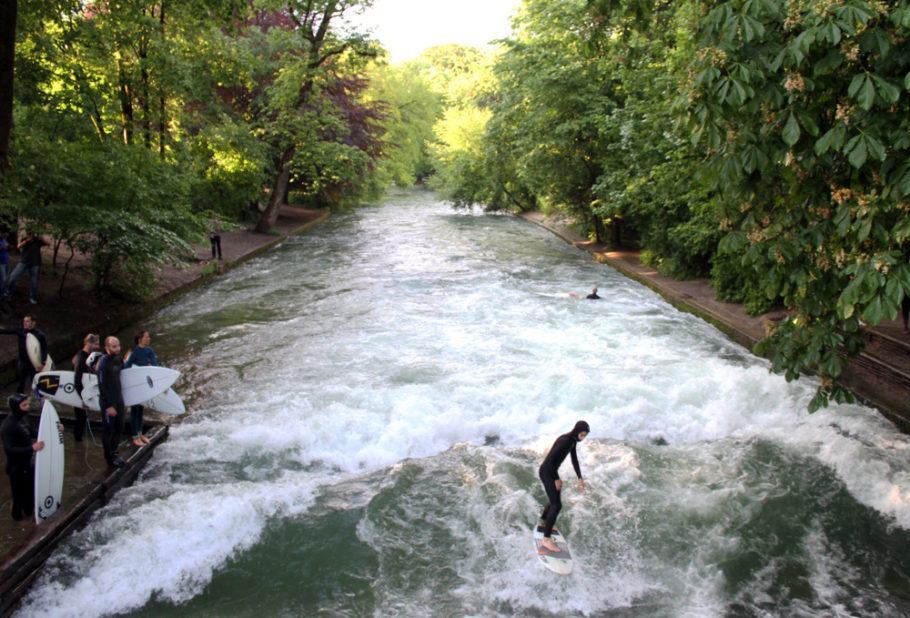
(549, 544)
(145, 439)
(138, 442)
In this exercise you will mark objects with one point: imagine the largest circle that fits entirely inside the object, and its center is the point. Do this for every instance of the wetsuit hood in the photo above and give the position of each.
(14, 402)
(580, 426)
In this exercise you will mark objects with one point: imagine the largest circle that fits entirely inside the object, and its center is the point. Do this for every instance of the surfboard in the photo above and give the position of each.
(58, 386)
(33, 348)
(559, 562)
(48, 465)
(168, 402)
(138, 385)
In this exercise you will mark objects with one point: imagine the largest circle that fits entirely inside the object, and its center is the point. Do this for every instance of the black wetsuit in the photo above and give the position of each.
(80, 368)
(592, 296)
(25, 371)
(549, 473)
(111, 396)
(17, 442)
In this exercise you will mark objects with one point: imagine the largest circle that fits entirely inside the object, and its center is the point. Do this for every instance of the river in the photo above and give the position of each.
(371, 400)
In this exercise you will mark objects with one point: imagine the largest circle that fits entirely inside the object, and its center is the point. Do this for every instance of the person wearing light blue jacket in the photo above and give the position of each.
(142, 355)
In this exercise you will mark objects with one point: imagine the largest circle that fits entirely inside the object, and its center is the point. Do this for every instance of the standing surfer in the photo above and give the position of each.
(552, 484)
(90, 344)
(25, 370)
(112, 408)
(19, 446)
(141, 356)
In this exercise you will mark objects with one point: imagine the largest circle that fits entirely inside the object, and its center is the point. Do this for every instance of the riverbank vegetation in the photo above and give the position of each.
(760, 143)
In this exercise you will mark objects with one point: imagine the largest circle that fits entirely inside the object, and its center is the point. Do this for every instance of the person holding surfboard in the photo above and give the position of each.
(19, 446)
(140, 356)
(549, 475)
(25, 369)
(111, 397)
(90, 344)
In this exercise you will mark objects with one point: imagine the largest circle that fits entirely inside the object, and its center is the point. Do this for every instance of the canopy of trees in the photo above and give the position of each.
(763, 143)
(131, 123)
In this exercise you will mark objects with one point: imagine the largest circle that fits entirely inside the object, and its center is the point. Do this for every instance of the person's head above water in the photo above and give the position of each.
(581, 430)
(594, 290)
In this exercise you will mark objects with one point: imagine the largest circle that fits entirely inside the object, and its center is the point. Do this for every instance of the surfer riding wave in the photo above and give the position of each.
(552, 484)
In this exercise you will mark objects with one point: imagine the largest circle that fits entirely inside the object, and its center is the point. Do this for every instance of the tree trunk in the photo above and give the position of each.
(126, 105)
(57, 243)
(66, 269)
(146, 109)
(162, 116)
(8, 10)
(279, 192)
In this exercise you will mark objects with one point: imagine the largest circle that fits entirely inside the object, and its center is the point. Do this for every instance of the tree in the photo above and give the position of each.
(804, 112)
(289, 109)
(8, 13)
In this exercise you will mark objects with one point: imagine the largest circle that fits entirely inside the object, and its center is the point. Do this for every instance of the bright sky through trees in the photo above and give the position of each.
(407, 27)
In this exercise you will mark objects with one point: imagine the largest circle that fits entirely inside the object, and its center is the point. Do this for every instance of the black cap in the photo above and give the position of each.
(581, 426)
(14, 401)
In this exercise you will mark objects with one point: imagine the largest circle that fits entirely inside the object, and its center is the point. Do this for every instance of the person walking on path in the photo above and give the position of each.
(215, 239)
(30, 250)
(19, 446)
(90, 344)
(142, 355)
(25, 371)
(552, 484)
(111, 395)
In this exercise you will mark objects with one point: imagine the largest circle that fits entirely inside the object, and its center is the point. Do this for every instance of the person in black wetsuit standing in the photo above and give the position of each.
(112, 408)
(552, 484)
(25, 371)
(90, 344)
(19, 445)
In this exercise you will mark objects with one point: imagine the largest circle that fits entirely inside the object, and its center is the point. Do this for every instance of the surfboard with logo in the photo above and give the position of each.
(559, 562)
(138, 385)
(48, 465)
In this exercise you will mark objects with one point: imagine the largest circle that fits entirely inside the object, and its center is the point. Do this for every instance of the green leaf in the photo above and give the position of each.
(808, 123)
(864, 229)
(832, 33)
(858, 155)
(875, 147)
(827, 141)
(873, 312)
(865, 95)
(886, 90)
(791, 131)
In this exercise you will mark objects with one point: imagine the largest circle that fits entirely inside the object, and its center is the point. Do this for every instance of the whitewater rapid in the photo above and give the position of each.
(370, 402)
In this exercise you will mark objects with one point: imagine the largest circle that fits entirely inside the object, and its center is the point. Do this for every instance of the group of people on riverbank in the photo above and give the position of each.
(18, 436)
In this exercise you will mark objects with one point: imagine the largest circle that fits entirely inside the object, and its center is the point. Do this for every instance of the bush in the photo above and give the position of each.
(734, 282)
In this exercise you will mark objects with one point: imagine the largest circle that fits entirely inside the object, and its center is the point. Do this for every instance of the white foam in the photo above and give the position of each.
(382, 357)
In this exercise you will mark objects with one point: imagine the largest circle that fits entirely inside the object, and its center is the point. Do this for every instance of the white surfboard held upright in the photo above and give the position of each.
(48, 465)
(33, 348)
(138, 384)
